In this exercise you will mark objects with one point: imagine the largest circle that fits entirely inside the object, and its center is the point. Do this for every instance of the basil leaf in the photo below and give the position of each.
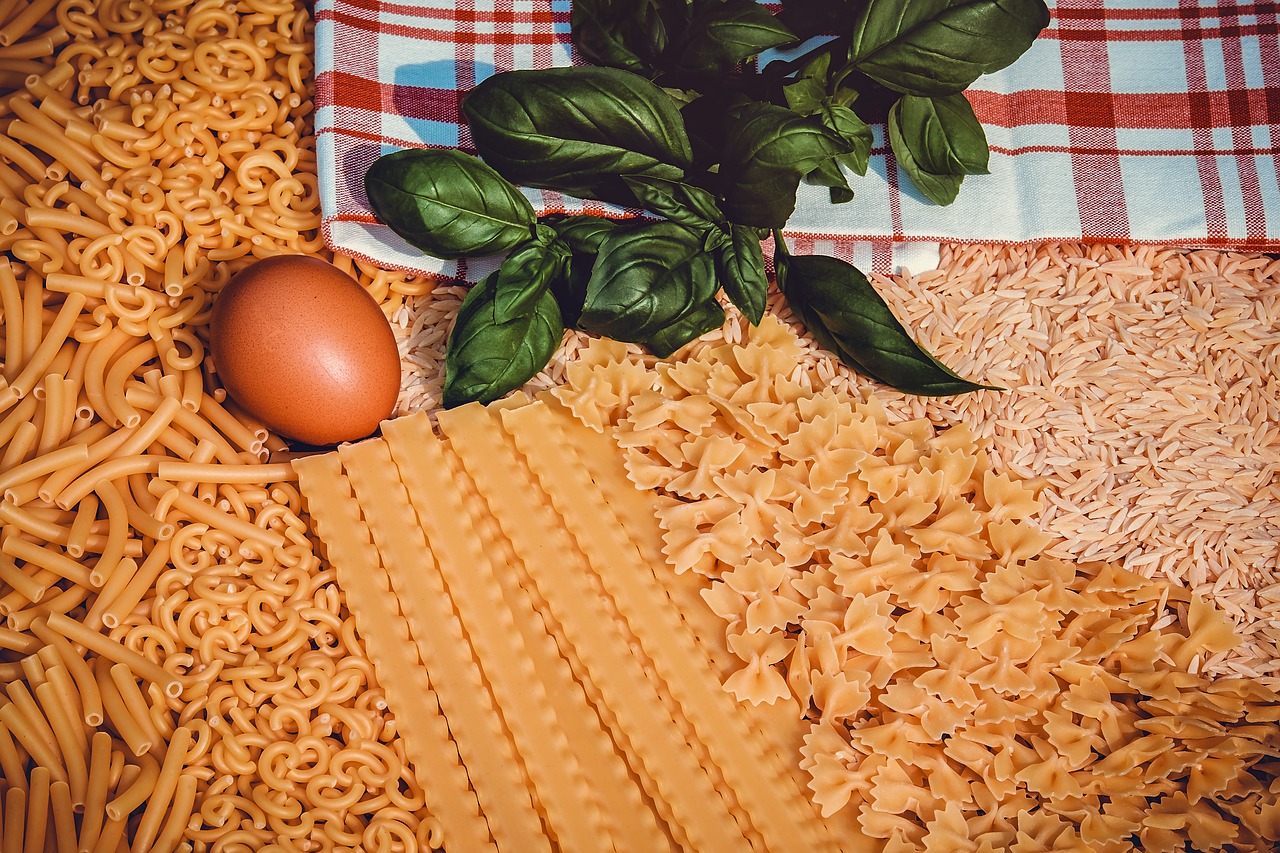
(855, 132)
(527, 272)
(619, 33)
(808, 95)
(645, 278)
(447, 203)
(937, 141)
(804, 96)
(684, 203)
(807, 78)
(689, 326)
(767, 151)
(807, 18)
(723, 33)
(487, 358)
(937, 47)
(577, 129)
(828, 175)
(583, 234)
(845, 315)
(707, 123)
(740, 267)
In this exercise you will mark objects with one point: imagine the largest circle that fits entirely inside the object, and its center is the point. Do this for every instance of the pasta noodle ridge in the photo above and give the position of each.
(625, 822)
(337, 516)
(465, 700)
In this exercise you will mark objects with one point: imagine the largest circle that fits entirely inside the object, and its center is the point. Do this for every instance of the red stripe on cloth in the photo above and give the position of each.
(444, 12)
(415, 102)
(504, 51)
(350, 90)
(1233, 32)
(1147, 111)
(1255, 217)
(360, 64)
(444, 21)
(1132, 152)
(451, 31)
(466, 66)
(879, 257)
(1101, 13)
(349, 24)
(1100, 196)
(1269, 50)
(354, 48)
(1230, 151)
(1215, 212)
(544, 23)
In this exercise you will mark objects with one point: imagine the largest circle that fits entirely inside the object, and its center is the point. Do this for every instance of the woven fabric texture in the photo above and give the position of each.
(1126, 122)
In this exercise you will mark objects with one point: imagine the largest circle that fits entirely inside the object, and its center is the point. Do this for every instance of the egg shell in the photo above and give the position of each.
(300, 345)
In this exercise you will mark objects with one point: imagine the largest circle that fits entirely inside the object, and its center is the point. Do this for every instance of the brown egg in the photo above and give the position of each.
(302, 346)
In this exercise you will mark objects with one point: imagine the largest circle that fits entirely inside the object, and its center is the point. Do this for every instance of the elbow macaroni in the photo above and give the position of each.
(132, 134)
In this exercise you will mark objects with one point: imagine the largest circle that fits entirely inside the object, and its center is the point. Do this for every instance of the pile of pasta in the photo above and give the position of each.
(510, 584)
(888, 592)
(178, 668)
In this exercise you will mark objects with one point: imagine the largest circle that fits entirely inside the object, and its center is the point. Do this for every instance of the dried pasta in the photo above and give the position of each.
(151, 151)
(890, 593)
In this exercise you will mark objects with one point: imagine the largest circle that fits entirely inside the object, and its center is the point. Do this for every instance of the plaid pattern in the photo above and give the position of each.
(1128, 121)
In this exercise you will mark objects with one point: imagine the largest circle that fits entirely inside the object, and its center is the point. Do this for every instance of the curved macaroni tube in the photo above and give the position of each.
(57, 697)
(52, 341)
(137, 792)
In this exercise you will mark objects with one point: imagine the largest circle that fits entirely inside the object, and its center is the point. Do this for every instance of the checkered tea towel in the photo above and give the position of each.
(1128, 121)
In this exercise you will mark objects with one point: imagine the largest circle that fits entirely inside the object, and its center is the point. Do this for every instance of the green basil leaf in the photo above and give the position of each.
(939, 188)
(938, 47)
(804, 96)
(684, 203)
(689, 326)
(583, 234)
(829, 175)
(619, 33)
(767, 151)
(808, 18)
(723, 33)
(487, 358)
(856, 133)
(937, 141)
(645, 278)
(740, 267)
(817, 67)
(809, 79)
(845, 315)
(707, 123)
(682, 97)
(447, 203)
(577, 129)
(527, 272)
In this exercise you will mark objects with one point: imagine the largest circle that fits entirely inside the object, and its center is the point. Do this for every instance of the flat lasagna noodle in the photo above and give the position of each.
(510, 583)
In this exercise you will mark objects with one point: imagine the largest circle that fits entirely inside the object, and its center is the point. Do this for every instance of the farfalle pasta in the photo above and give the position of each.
(956, 686)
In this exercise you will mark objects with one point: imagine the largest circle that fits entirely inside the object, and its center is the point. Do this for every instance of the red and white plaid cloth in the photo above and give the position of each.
(1128, 121)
